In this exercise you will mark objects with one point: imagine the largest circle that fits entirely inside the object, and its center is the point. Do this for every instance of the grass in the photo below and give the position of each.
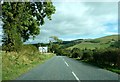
(104, 43)
(107, 38)
(110, 68)
(89, 45)
(14, 64)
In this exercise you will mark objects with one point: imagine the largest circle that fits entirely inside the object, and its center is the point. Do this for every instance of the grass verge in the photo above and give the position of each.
(14, 64)
(110, 68)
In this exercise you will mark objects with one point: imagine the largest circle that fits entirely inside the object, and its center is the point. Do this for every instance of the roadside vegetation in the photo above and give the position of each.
(21, 21)
(107, 58)
(15, 64)
(102, 52)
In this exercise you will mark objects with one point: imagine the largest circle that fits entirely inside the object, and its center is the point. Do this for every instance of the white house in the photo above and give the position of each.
(43, 49)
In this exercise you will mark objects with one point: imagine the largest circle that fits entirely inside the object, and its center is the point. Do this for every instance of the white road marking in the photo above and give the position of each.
(66, 63)
(72, 71)
(76, 77)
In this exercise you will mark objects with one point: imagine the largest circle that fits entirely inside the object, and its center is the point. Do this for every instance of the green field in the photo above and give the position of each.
(89, 46)
(107, 39)
(104, 42)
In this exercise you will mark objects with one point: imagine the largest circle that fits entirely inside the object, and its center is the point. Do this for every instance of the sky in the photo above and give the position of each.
(79, 20)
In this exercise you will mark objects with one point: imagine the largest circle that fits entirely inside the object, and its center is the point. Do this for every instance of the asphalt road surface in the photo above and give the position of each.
(64, 68)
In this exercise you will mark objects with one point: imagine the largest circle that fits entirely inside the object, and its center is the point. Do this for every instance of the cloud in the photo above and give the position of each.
(75, 20)
(80, 20)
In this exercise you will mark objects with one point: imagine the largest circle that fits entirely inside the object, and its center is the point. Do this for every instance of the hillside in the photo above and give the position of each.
(108, 38)
(66, 44)
(102, 42)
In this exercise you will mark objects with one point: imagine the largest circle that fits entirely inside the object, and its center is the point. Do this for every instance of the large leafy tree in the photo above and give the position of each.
(22, 20)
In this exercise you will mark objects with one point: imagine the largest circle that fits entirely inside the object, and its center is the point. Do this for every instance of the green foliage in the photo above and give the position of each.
(98, 55)
(109, 56)
(55, 45)
(22, 20)
(55, 39)
(66, 52)
(75, 52)
(87, 54)
(116, 44)
(57, 49)
(95, 41)
(15, 64)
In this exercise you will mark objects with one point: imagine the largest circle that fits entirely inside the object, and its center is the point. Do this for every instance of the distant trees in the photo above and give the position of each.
(116, 44)
(95, 41)
(22, 20)
(55, 45)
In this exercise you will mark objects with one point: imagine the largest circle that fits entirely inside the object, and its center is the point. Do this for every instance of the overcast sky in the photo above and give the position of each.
(76, 20)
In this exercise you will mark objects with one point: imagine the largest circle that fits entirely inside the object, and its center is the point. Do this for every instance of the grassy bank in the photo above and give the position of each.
(14, 64)
(110, 68)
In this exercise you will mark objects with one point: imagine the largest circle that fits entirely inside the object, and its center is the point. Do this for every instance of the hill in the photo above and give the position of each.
(66, 44)
(102, 42)
(108, 38)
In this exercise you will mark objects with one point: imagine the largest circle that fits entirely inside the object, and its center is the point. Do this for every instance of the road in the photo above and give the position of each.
(64, 68)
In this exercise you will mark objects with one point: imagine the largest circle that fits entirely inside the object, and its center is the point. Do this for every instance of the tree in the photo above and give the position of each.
(116, 44)
(55, 44)
(87, 54)
(75, 52)
(55, 39)
(22, 20)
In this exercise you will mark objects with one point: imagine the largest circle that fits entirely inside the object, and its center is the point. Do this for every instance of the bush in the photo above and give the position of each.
(87, 54)
(75, 52)
(98, 56)
(95, 41)
(66, 52)
(109, 56)
(116, 44)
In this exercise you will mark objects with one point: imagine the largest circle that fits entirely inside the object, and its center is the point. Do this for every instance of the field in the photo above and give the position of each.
(102, 42)
(107, 39)
(89, 45)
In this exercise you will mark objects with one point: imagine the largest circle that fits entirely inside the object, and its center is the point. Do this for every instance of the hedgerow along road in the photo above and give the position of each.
(64, 68)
